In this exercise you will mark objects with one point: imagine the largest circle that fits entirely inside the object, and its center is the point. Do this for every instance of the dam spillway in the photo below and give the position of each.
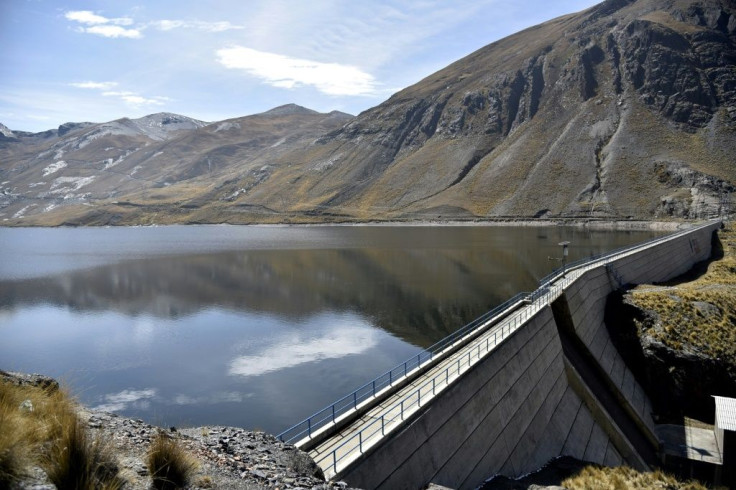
(535, 379)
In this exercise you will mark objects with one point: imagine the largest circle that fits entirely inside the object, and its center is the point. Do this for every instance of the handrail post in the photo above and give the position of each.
(383, 430)
(360, 441)
(374, 388)
(402, 409)
(355, 399)
(309, 427)
(333, 413)
(433, 385)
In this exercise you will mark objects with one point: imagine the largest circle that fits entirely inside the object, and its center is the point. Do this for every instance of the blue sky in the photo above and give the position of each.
(99, 60)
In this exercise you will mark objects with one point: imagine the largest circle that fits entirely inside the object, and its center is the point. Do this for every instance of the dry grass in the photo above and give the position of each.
(41, 428)
(700, 315)
(169, 465)
(622, 478)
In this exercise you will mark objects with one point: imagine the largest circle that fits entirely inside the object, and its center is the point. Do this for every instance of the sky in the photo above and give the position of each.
(100, 60)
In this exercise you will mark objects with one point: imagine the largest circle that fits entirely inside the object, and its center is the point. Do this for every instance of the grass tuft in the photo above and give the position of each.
(41, 428)
(169, 465)
(75, 461)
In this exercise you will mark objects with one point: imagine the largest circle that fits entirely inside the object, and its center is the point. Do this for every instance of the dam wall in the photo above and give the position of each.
(556, 386)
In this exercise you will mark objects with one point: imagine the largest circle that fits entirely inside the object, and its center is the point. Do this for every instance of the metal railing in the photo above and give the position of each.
(412, 400)
(331, 413)
(485, 341)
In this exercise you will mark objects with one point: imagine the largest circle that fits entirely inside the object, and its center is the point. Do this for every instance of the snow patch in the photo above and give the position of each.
(54, 167)
(227, 126)
(63, 185)
(279, 143)
(157, 154)
(22, 211)
(50, 207)
(35, 184)
(59, 153)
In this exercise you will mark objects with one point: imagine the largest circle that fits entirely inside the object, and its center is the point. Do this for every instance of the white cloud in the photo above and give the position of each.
(135, 99)
(103, 26)
(90, 18)
(168, 25)
(113, 31)
(116, 402)
(285, 72)
(333, 344)
(94, 85)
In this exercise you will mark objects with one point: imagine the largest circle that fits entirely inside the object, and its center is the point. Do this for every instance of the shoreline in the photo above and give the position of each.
(599, 225)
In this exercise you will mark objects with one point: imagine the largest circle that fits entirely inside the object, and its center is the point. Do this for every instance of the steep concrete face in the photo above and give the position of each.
(528, 400)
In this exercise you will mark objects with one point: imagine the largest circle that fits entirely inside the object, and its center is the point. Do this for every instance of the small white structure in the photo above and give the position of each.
(725, 430)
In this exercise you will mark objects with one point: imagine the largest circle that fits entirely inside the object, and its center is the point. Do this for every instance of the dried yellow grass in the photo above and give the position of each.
(683, 323)
(41, 428)
(624, 478)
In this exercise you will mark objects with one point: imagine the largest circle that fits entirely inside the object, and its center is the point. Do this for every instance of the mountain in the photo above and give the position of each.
(163, 163)
(626, 109)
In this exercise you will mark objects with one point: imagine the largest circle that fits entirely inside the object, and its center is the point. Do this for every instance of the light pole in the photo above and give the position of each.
(564, 256)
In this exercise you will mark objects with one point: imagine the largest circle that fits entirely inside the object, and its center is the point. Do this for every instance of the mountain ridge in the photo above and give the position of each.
(626, 109)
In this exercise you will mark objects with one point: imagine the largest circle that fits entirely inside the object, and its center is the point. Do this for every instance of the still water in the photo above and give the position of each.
(252, 326)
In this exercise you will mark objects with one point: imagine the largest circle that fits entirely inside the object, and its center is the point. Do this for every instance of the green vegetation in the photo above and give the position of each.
(700, 315)
(595, 477)
(41, 427)
(170, 466)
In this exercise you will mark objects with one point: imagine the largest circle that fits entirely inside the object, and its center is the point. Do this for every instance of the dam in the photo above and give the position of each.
(536, 378)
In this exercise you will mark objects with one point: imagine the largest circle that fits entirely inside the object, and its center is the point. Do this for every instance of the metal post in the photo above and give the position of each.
(402, 409)
(404, 369)
(355, 399)
(333, 413)
(419, 359)
(433, 386)
(360, 441)
(383, 431)
(309, 427)
(374, 387)
(391, 377)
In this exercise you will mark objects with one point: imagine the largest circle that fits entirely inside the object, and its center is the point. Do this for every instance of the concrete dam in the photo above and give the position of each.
(536, 378)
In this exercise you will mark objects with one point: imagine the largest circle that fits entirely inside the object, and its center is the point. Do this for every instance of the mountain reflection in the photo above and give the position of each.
(420, 295)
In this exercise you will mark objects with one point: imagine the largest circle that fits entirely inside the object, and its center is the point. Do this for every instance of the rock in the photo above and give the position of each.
(38, 380)
(707, 309)
(26, 406)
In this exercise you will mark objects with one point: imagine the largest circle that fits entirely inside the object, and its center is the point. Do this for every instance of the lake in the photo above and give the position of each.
(253, 326)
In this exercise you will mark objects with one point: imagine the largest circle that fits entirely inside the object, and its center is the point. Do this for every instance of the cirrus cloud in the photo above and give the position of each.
(285, 72)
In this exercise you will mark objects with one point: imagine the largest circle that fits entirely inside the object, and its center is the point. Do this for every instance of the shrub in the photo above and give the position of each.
(169, 465)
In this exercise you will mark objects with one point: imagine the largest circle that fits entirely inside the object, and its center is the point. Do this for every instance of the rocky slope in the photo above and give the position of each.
(625, 109)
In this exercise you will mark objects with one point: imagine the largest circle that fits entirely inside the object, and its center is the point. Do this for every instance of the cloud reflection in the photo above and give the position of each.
(335, 343)
(116, 402)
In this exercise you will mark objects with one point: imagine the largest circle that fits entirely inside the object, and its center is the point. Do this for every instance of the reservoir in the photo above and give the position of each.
(253, 326)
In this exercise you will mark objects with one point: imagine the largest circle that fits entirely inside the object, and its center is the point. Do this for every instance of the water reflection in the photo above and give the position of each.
(264, 328)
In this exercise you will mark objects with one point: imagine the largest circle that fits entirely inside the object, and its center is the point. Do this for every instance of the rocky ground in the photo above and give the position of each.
(228, 457)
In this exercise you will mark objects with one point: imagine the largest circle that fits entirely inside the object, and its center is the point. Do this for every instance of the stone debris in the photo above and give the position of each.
(229, 457)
